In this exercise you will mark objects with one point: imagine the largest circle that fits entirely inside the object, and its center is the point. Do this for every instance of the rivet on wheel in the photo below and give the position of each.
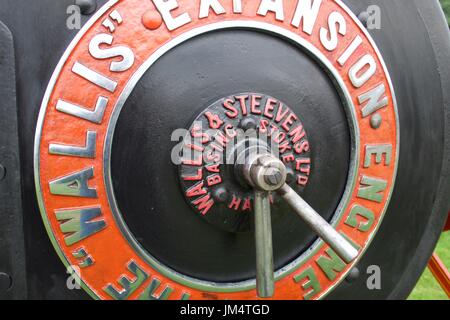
(375, 121)
(364, 18)
(220, 194)
(87, 7)
(2, 173)
(152, 20)
(248, 124)
(353, 275)
(5, 282)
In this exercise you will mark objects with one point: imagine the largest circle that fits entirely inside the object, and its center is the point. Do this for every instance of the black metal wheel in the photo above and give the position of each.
(196, 76)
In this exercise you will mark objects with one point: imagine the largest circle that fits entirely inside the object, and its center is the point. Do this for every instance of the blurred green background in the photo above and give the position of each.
(428, 288)
(446, 6)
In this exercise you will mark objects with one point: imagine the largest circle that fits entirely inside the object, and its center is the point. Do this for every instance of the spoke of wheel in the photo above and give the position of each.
(263, 241)
(336, 241)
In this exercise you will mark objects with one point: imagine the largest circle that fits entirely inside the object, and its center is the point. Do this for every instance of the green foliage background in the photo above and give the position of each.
(428, 288)
(446, 6)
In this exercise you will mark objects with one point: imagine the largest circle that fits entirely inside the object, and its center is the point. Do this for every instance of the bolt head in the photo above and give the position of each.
(265, 173)
(353, 275)
(273, 177)
(5, 282)
(247, 124)
(2, 172)
(152, 20)
(220, 194)
(364, 18)
(375, 121)
(86, 6)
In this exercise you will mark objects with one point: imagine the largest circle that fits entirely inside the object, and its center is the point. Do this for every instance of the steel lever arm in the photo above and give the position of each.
(268, 174)
(315, 221)
(263, 241)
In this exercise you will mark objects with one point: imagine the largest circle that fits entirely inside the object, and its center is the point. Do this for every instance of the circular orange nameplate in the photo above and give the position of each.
(94, 79)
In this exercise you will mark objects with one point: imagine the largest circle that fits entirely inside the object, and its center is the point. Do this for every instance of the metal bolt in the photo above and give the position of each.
(353, 275)
(220, 194)
(86, 6)
(248, 123)
(273, 177)
(364, 18)
(2, 172)
(265, 173)
(152, 20)
(5, 282)
(375, 121)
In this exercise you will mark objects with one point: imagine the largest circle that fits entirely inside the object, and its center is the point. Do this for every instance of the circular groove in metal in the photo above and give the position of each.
(354, 160)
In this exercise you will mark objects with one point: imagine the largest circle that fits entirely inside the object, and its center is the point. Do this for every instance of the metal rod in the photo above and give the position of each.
(263, 241)
(336, 241)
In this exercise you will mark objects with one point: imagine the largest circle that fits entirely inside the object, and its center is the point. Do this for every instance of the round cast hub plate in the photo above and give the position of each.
(215, 147)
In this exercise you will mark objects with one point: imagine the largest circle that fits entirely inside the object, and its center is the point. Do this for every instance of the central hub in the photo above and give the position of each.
(230, 134)
(264, 172)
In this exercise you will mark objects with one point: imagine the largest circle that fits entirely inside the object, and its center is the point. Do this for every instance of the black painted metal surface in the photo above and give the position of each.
(40, 38)
(13, 283)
